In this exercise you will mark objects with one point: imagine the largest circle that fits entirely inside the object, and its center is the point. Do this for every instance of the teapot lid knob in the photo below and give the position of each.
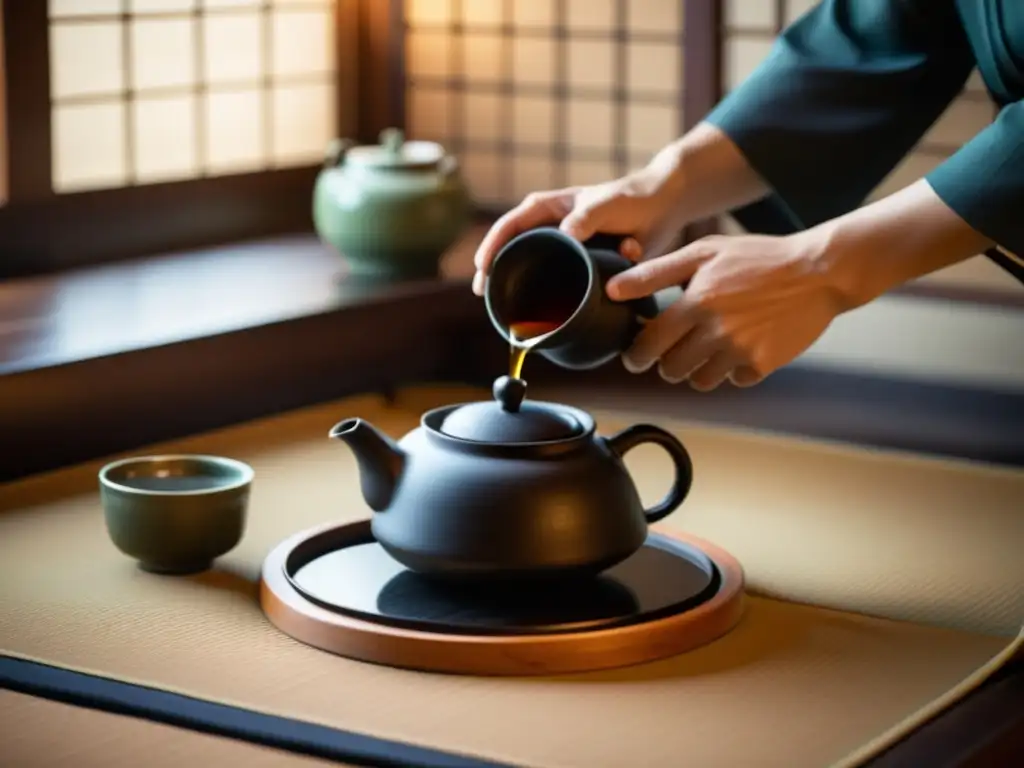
(510, 393)
(392, 140)
(509, 420)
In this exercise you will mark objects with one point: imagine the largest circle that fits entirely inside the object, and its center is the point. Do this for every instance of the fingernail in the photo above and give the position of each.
(478, 284)
(670, 379)
(635, 367)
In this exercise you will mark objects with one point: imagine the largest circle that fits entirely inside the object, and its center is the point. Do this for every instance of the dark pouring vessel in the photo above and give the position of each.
(544, 275)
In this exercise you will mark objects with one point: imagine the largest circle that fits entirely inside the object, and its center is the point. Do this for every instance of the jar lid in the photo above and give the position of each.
(395, 152)
(508, 420)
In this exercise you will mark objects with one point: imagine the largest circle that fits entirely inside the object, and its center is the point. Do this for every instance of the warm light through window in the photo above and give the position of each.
(533, 94)
(146, 91)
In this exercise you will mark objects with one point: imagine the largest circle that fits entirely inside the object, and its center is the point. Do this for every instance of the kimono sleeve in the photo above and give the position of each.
(844, 95)
(984, 183)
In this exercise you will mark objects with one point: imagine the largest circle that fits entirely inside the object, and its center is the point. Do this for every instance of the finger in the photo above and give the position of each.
(715, 371)
(659, 335)
(631, 249)
(479, 281)
(662, 272)
(584, 220)
(689, 353)
(536, 210)
(745, 376)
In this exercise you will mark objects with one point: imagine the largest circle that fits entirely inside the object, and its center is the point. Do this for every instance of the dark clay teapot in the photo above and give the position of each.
(508, 489)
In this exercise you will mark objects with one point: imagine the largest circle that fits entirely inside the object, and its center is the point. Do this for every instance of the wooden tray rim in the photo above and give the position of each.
(463, 653)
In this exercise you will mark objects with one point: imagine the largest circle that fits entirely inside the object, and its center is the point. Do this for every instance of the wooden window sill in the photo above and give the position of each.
(126, 306)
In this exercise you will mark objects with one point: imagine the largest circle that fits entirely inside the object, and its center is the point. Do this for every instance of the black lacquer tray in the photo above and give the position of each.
(344, 570)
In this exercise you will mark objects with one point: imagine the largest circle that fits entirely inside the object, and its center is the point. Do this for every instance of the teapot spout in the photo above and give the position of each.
(380, 460)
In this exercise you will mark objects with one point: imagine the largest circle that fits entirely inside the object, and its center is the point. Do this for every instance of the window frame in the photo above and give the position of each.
(43, 231)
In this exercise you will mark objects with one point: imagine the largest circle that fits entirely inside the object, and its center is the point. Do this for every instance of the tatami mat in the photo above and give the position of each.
(90, 739)
(930, 549)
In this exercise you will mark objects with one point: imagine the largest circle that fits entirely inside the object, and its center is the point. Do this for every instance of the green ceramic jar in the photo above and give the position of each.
(391, 210)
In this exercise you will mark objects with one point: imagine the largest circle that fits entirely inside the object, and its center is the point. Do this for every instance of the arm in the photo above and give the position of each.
(974, 200)
(845, 94)
(892, 241)
(704, 174)
(700, 175)
(754, 303)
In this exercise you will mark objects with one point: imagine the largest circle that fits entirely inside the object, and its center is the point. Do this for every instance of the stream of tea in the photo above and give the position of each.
(524, 337)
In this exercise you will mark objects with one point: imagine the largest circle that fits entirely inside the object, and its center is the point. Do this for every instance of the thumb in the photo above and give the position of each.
(659, 273)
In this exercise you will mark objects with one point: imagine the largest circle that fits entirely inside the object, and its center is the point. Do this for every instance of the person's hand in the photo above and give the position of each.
(637, 206)
(753, 304)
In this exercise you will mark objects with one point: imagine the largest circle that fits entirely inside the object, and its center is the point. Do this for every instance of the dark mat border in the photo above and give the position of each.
(213, 718)
(983, 730)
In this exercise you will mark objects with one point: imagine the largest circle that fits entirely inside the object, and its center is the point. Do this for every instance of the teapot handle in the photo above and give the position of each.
(447, 168)
(628, 439)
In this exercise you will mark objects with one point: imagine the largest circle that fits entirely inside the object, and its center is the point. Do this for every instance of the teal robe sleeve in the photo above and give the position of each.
(845, 94)
(984, 183)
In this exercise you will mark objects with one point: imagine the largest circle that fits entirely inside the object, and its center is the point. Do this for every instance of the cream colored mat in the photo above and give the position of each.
(931, 544)
(90, 739)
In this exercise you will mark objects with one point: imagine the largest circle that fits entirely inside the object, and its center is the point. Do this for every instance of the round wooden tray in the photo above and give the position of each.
(335, 589)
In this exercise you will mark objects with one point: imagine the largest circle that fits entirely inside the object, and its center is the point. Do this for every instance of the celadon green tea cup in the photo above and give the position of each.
(175, 514)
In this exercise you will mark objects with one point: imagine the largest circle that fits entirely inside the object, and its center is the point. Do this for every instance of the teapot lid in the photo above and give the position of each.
(395, 152)
(507, 419)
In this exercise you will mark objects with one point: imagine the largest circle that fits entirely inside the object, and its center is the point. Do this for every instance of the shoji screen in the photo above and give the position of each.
(145, 91)
(536, 93)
